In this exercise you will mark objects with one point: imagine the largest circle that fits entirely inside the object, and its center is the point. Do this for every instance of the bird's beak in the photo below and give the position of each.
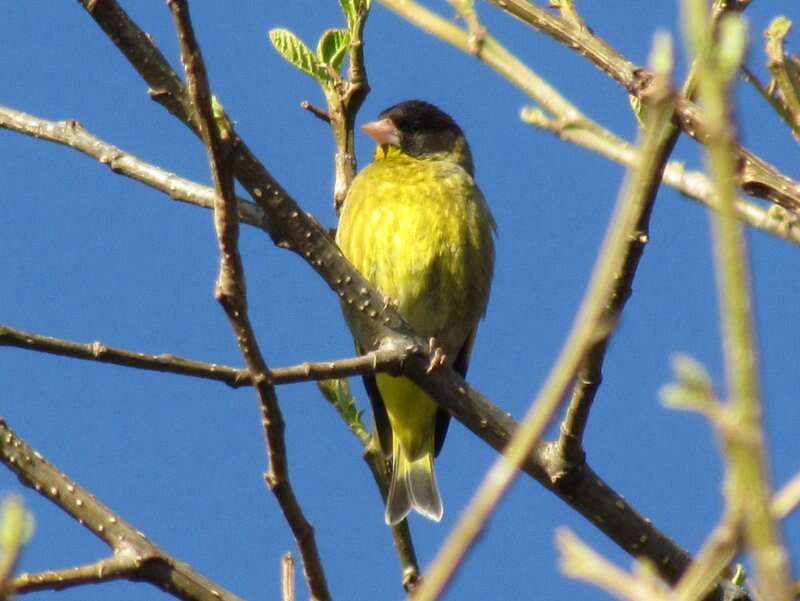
(382, 131)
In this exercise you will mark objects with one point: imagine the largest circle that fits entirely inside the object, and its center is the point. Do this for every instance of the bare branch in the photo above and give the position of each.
(72, 134)
(694, 185)
(712, 561)
(581, 562)
(319, 113)
(747, 487)
(287, 577)
(115, 567)
(338, 394)
(136, 556)
(381, 360)
(787, 499)
(590, 374)
(343, 105)
(230, 292)
(784, 73)
(754, 175)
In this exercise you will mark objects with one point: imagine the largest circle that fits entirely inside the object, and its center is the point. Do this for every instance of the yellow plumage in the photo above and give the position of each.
(419, 229)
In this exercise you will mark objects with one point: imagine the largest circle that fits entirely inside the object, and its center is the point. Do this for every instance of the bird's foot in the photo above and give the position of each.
(390, 302)
(436, 353)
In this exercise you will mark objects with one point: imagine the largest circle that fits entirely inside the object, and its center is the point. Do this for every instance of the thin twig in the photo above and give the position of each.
(712, 561)
(787, 499)
(287, 577)
(135, 557)
(231, 294)
(108, 569)
(694, 185)
(579, 561)
(747, 482)
(319, 113)
(381, 360)
(590, 323)
(344, 100)
(401, 532)
(72, 134)
(767, 95)
(786, 78)
(569, 446)
(339, 395)
(753, 174)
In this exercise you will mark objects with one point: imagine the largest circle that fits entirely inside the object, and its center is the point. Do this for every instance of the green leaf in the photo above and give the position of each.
(16, 525)
(732, 44)
(223, 123)
(352, 9)
(692, 374)
(292, 48)
(332, 46)
(338, 394)
(661, 55)
(693, 390)
(636, 105)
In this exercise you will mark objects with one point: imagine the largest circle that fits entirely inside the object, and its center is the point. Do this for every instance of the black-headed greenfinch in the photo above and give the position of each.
(415, 224)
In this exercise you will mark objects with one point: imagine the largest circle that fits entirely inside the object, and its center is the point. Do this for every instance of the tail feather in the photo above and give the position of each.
(413, 486)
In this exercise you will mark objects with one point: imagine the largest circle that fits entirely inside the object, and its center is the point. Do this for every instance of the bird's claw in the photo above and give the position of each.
(436, 353)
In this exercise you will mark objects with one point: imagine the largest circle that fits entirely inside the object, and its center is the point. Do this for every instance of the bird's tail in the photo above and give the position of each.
(413, 486)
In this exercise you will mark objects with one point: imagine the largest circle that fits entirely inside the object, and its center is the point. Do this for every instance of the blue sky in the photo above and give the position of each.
(88, 255)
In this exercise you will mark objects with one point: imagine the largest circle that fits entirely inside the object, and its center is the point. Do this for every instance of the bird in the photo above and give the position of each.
(416, 225)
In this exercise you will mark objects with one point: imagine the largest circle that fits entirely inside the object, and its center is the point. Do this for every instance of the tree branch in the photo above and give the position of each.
(694, 185)
(784, 73)
(231, 294)
(108, 569)
(135, 557)
(287, 578)
(747, 481)
(590, 374)
(376, 361)
(338, 394)
(71, 133)
(579, 561)
(754, 175)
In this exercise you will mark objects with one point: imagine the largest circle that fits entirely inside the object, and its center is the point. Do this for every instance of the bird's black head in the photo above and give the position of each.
(421, 130)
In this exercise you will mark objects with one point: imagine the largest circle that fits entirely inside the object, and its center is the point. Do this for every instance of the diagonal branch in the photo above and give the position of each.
(590, 374)
(753, 174)
(230, 292)
(376, 361)
(115, 567)
(747, 487)
(135, 557)
(71, 133)
(784, 73)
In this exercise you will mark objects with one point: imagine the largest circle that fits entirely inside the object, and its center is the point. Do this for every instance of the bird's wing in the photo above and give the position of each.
(379, 414)
(460, 366)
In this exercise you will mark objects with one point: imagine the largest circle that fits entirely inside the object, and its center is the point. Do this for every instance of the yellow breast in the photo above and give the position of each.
(421, 232)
